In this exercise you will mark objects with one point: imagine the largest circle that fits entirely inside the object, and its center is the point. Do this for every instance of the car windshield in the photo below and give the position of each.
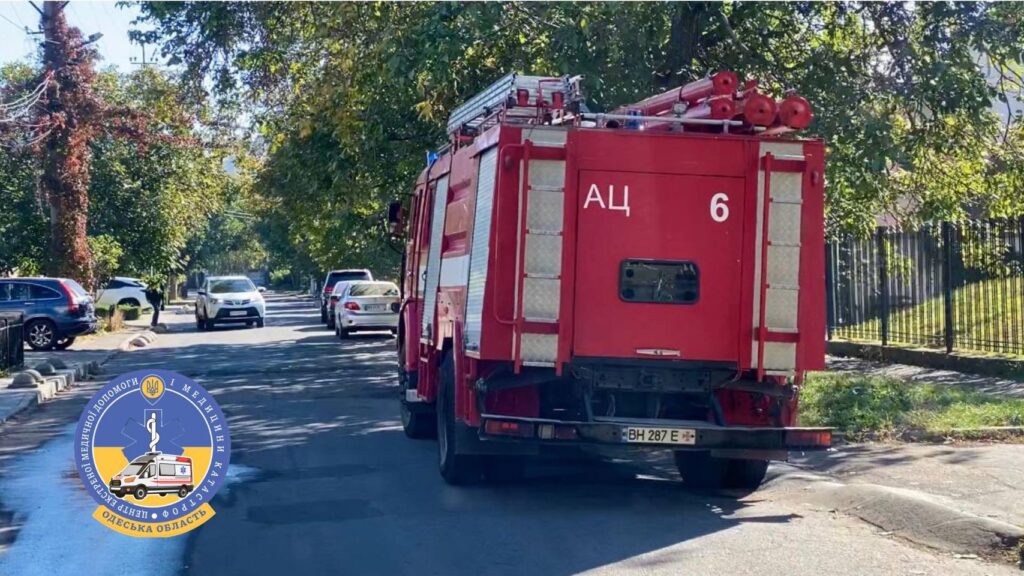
(228, 285)
(336, 277)
(133, 469)
(373, 289)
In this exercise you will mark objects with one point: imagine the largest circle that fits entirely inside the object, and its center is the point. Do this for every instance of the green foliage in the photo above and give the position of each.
(156, 199)
(856, 405)
(130, 312)
(106, 257)
(350, 95)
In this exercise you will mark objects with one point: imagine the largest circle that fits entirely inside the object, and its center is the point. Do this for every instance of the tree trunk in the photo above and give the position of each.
(67, 158)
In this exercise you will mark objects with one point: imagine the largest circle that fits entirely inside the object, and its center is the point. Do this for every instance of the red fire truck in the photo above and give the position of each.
(652, 277)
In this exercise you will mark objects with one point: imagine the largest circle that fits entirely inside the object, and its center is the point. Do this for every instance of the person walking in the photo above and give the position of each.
(155, 297)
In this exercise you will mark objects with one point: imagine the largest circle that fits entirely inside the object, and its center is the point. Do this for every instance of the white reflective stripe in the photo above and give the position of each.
(412, 396)
(455, 270)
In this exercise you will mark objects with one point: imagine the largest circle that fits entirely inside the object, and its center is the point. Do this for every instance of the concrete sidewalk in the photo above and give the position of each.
(987, 384)
(91, 349)
(985, 480)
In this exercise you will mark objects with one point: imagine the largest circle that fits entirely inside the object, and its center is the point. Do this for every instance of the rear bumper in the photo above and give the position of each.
(687, 434)
(385, 321)
(79, 328)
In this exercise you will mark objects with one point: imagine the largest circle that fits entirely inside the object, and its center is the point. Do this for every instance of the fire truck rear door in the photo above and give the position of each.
(658, 266)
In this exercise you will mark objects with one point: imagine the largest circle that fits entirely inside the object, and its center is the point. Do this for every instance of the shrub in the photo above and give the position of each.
(130, 312)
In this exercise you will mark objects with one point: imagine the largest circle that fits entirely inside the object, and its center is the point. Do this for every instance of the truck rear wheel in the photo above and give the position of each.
(456, 469)
(702, 472)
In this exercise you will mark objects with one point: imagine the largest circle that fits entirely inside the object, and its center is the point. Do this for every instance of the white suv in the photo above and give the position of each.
(123, 291)
(229, 299)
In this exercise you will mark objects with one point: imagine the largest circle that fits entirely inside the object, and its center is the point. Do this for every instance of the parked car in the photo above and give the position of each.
(366, 306)
(123, 291)
(333, 277)
(57, 310)
(229, 299)
(332, 300)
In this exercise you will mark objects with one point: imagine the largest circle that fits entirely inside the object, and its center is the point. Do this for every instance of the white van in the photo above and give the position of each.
(154, 473)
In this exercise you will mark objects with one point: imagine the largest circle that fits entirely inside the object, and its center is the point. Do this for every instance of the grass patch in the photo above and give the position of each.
(861, 405)
(982, 316)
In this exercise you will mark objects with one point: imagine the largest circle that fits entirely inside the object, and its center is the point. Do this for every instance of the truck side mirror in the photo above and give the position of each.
(396, 218)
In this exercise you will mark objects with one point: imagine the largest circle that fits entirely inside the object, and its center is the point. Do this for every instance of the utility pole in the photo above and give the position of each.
(144, 63)
(71, 111)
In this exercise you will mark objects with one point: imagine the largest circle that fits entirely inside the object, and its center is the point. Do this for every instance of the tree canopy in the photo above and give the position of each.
(153, 201)
(347, 97)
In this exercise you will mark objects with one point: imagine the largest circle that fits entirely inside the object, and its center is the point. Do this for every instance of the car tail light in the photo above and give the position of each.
(352, 306)
(328, 289)
(73, 306)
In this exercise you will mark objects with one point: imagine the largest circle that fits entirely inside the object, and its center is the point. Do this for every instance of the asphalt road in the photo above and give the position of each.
(324, 481)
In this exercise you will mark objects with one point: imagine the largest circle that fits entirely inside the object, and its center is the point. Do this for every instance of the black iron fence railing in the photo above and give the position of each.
(12, 341)
(950, 285)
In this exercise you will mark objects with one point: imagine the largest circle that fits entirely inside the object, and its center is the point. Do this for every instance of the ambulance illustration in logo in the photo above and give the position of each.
(152, 448)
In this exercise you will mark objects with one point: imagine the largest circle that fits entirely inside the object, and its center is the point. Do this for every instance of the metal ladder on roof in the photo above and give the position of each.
(539, 249)
(501, 93)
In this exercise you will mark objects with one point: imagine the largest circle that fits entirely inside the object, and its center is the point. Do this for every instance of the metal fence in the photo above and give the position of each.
(12, 342)
(951, 285)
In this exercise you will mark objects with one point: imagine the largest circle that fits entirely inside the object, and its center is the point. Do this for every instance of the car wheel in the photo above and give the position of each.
(200, 323)
(259, 323)
(129, 302)
(323, 315)
(456, 469)
(64, 343)
(40, 335)
(343, 333)
(139, 492)
(182, 492)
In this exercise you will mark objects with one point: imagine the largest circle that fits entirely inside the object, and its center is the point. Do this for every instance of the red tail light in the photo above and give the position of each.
(73, 307)
(328, 289)
(352, 306)
(503, 428)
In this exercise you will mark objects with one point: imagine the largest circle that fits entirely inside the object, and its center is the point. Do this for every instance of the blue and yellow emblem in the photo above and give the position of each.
(152, 448)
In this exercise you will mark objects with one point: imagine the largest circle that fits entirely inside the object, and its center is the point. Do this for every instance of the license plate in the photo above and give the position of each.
(238, 313)
(647, 435)
(374, 307)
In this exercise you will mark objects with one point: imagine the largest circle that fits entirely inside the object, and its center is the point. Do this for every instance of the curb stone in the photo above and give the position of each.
(29, 387)
(137, 341)
(915, 516)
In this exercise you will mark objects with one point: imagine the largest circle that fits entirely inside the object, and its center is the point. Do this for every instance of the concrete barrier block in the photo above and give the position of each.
(70, 376)
(26, 379)
(45, 368)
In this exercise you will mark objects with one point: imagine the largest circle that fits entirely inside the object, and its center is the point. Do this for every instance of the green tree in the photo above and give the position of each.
(349, 96)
